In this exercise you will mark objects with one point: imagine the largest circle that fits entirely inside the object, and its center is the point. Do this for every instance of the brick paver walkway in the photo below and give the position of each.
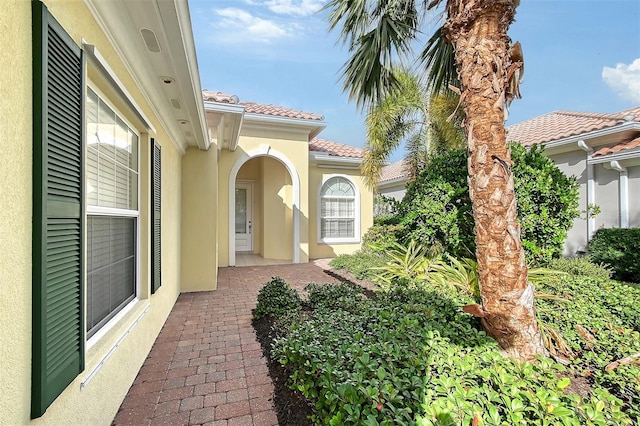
(206, 366)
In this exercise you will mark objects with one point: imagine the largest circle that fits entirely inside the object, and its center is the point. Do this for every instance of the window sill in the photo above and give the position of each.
(329, 241)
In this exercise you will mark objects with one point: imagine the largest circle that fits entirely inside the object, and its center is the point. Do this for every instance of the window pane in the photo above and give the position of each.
(92, 175)
(122, 187)
(122, 143)
(106, 129)
(133, 158)
(106, 181)
(337, 186)
(112, 158)
(133, 190)
(241, 211)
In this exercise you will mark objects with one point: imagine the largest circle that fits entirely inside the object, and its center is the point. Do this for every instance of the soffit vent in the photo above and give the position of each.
(150, 40)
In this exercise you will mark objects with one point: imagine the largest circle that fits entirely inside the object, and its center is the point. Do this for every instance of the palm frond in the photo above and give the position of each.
(438, 58)
(393, 118)
(375, 36)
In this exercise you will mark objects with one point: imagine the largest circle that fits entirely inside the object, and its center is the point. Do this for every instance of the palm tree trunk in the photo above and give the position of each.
(478, 31)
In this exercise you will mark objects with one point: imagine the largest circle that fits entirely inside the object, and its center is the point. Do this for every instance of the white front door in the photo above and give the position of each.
(244, 217)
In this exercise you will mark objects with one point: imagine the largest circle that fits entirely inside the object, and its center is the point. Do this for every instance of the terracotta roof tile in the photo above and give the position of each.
(335, 149)
(255, 108)
(623, 146)
(393, 171)
(278, 111)
(563, 124)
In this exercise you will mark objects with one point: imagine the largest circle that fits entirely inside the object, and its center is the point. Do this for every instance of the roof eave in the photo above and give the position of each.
(630, 125)
(230, 110)
(392, 182)
(324, 158)
(176, 59)
(311, 127)
(617, 156)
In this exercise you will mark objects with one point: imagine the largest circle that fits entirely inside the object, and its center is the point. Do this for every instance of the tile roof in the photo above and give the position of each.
(278, 111)
(622, 146)
(335, 149)
(563, 124)
(393, 171)
(263, 109)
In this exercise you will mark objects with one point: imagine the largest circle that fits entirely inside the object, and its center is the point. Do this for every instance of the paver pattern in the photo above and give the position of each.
(206, 366)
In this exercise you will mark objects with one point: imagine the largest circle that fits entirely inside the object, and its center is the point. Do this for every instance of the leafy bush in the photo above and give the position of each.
(406, 265)
(381, 236)
(619, 248)
(411, 355)
(600, 321)
(437, 206)
(276, 298)
(360, 264)
(547, 202)
(581, 266)
(323, 296)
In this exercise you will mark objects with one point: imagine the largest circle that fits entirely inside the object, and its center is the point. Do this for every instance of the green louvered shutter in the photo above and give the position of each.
(58, 210)
(156, 181)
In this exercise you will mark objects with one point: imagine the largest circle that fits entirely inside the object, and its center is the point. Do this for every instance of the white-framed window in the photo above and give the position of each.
(339, 210)
(112, 168)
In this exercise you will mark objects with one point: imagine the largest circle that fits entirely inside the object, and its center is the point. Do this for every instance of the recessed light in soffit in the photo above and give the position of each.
(150, 40)
(176, 103)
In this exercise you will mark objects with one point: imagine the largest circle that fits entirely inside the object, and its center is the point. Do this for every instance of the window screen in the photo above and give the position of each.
(111, 266)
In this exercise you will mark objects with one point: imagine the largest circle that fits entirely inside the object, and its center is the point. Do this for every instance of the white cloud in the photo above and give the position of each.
(624, 80)
(241, 26)
(295, 7)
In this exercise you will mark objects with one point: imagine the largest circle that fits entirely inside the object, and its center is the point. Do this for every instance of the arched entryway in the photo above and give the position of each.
(249, 188)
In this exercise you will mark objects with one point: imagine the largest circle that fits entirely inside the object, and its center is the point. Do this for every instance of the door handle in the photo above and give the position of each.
(249, 226)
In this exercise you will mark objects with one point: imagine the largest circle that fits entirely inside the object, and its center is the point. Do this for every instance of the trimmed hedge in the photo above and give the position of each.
(619, 248)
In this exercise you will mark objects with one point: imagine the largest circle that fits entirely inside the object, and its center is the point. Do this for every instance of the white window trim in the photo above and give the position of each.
(356, 223)
(113, 212)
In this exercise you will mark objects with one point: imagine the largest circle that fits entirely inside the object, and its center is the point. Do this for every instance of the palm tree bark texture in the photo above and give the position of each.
(478, 31)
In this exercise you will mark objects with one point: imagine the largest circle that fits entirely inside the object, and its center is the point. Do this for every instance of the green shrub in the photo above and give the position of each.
(581, 266)
(547, 203)
(437, 206)
(276, 298)
(411, 356)
(333, 296)
(380, 237)
(406, 265)
(360, 264)
(619, 248)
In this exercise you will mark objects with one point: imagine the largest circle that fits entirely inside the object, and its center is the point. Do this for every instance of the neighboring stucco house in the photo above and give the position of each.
(393, 180)
(603, 152)
(121, 188)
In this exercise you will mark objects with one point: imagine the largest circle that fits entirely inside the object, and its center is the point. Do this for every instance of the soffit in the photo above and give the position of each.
(166, 73)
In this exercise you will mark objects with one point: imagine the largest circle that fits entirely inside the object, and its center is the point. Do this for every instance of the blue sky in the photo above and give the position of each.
(580, 55)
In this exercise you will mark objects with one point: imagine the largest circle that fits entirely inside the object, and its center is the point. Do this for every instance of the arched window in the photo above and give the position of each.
(339, 211)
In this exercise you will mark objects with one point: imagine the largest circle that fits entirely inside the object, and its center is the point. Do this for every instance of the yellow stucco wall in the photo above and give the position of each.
(273, 148)
(15, 220)
(98, 402)
(277, 211)
(199, 225)
(316, 177)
